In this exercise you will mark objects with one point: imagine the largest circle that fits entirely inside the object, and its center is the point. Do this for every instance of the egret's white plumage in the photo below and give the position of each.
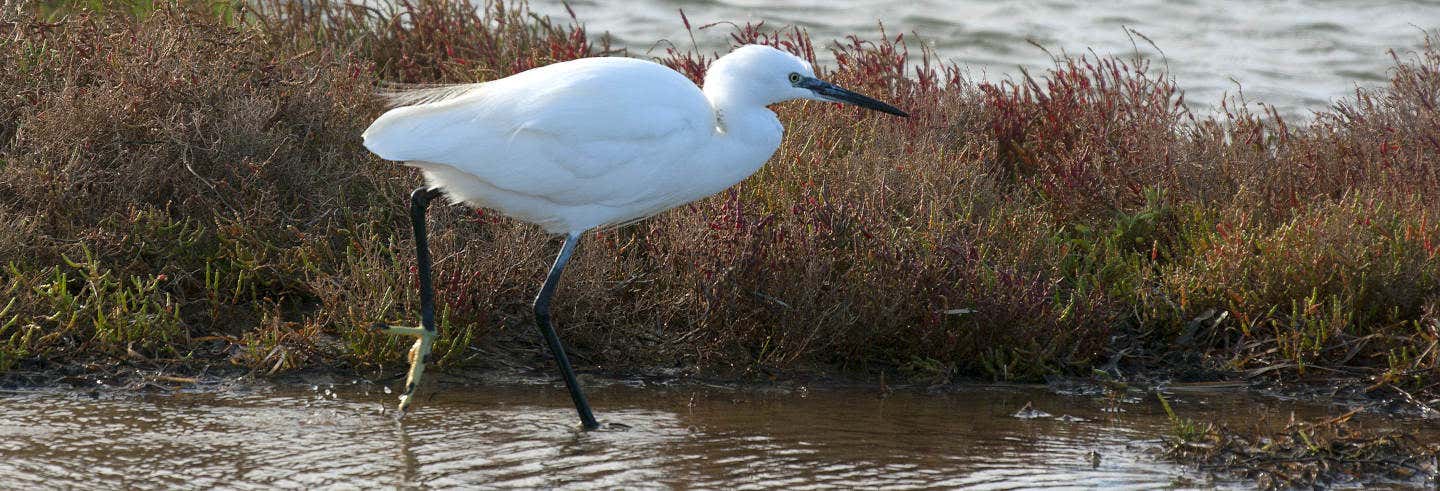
(588, 143)
(595, 141)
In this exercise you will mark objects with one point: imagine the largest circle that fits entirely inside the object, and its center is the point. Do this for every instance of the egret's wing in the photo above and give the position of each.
(583, 132)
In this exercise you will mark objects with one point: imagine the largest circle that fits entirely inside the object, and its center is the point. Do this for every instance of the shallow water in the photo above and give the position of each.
(525, 435)
(1297, 54)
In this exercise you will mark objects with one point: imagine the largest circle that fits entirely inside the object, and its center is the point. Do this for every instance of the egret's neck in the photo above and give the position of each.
(746, 135)
(742, 118)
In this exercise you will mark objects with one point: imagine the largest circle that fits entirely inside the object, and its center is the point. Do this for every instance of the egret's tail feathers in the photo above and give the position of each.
(398, 94)
(418, 117)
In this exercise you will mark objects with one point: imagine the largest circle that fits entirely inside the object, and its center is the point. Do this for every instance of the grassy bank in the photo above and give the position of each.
(185, 186)
(1330, 452)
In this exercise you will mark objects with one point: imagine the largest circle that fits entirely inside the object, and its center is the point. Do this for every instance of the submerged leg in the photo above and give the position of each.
(420, 352)
(542, 319)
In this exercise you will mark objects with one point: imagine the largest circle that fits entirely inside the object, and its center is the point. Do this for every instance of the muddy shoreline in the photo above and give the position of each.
(1407, 461)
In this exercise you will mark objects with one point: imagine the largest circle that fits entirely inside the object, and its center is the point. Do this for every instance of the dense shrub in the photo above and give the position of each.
(187, 183)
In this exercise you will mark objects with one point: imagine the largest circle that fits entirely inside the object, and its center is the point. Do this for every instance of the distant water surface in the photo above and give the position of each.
(1299, 55)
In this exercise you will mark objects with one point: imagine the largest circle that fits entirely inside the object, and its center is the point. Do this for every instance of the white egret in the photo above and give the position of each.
(588, 143)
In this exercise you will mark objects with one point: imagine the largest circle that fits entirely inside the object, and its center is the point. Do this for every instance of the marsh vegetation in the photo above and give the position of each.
(183, 187)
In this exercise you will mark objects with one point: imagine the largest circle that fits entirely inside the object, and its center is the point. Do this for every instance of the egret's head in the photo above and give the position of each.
(765, 75)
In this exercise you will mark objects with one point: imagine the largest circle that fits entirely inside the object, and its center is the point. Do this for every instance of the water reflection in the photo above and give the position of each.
(526, 436)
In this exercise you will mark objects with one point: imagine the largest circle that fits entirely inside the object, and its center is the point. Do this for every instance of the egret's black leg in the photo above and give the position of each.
(420, 352)
(419, 203)
(542, 319)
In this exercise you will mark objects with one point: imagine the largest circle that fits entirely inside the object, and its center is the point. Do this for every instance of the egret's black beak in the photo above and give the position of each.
(830, 92)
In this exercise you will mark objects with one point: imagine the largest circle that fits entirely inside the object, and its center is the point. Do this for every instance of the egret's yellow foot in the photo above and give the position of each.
(419, 355)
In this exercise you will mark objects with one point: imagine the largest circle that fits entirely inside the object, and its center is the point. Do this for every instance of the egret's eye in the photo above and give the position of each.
(795, 78)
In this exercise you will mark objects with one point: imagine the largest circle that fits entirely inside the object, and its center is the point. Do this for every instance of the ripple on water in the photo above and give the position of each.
(526, 437)
(1207, 43)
